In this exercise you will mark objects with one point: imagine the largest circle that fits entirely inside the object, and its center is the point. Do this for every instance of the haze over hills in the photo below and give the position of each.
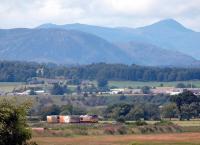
(171, 35)
(58, 46)
(110, 34)
(144, 54)
(167, 34)
(165, 43)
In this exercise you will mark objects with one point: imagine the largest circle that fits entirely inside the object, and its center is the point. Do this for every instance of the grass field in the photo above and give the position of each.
(9, 86)
(189, 135)
(185, 123)
(136, 84)
(181, 123)
(151, 139)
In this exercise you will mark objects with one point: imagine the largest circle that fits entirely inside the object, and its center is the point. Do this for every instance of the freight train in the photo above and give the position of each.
(72, 119)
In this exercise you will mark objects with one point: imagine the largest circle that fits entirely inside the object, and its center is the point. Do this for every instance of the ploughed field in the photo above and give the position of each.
(151, 139)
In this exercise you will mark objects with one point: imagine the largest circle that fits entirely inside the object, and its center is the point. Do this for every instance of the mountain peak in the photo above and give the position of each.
(47, 25)
(169, 24)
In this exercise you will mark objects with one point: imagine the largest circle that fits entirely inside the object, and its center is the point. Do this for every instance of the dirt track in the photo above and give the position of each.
(118, 140)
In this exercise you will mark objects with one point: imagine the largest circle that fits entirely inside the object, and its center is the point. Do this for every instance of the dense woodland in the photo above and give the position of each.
(12, 71)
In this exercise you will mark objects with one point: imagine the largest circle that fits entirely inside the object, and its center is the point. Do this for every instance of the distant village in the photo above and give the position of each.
(42, 86)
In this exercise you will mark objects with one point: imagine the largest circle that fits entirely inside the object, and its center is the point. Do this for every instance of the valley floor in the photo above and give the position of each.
(151, 139)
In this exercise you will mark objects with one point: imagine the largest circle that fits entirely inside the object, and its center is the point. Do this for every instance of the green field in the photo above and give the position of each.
(135, 84)
(185, 123)
(9, 86)
(94, 136)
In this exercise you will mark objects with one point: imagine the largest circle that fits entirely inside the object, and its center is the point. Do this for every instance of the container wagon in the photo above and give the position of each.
(53, 119)
(69, 119)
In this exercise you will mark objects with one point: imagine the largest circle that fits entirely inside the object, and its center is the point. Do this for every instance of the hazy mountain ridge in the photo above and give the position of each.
(166, 34)
(59, 46)
(83, 44)
(171, 35)
(143, 53)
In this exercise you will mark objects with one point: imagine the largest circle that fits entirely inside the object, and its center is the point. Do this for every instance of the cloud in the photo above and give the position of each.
(132, 13)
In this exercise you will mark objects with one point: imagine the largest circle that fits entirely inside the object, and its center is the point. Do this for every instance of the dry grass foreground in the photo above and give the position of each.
(153, 139)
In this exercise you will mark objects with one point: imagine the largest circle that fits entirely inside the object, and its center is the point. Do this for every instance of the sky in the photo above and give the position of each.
(112, 13)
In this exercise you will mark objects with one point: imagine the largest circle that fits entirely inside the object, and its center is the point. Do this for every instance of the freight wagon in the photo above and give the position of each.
(69, 119)
(53, 119)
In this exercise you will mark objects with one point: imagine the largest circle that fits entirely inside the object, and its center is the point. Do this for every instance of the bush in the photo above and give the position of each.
(31, 143)
(141, 123)
(164, 122)
(121, 120)
(109, 130)
(180, 85)
(122, 130)
(81, 132)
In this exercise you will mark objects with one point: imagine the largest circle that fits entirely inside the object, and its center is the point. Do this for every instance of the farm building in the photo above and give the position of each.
(163, 90)
(89, 118)
(117, 91)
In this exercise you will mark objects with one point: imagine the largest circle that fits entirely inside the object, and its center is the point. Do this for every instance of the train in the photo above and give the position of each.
(72, 119)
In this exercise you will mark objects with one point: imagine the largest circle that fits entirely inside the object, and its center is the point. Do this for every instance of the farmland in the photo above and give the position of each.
(9, 86)
(129, 134)
(151, 139)
(108, 131)
(135, 84)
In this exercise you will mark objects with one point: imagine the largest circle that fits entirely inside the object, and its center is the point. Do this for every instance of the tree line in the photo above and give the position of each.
(183, 106)
(15, 71)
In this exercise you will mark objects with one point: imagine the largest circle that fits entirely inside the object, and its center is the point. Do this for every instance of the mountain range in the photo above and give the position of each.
(165, 43)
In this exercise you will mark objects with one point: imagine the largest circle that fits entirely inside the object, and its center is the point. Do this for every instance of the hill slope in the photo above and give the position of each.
(59, 46)
(166, 34)
(84, 44)
(148, 54)
(110, 34)
(171, 35)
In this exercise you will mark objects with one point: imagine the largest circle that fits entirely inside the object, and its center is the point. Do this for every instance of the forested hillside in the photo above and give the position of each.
(166, 43)
(166, 34)
(22, 71)
(58, 46)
